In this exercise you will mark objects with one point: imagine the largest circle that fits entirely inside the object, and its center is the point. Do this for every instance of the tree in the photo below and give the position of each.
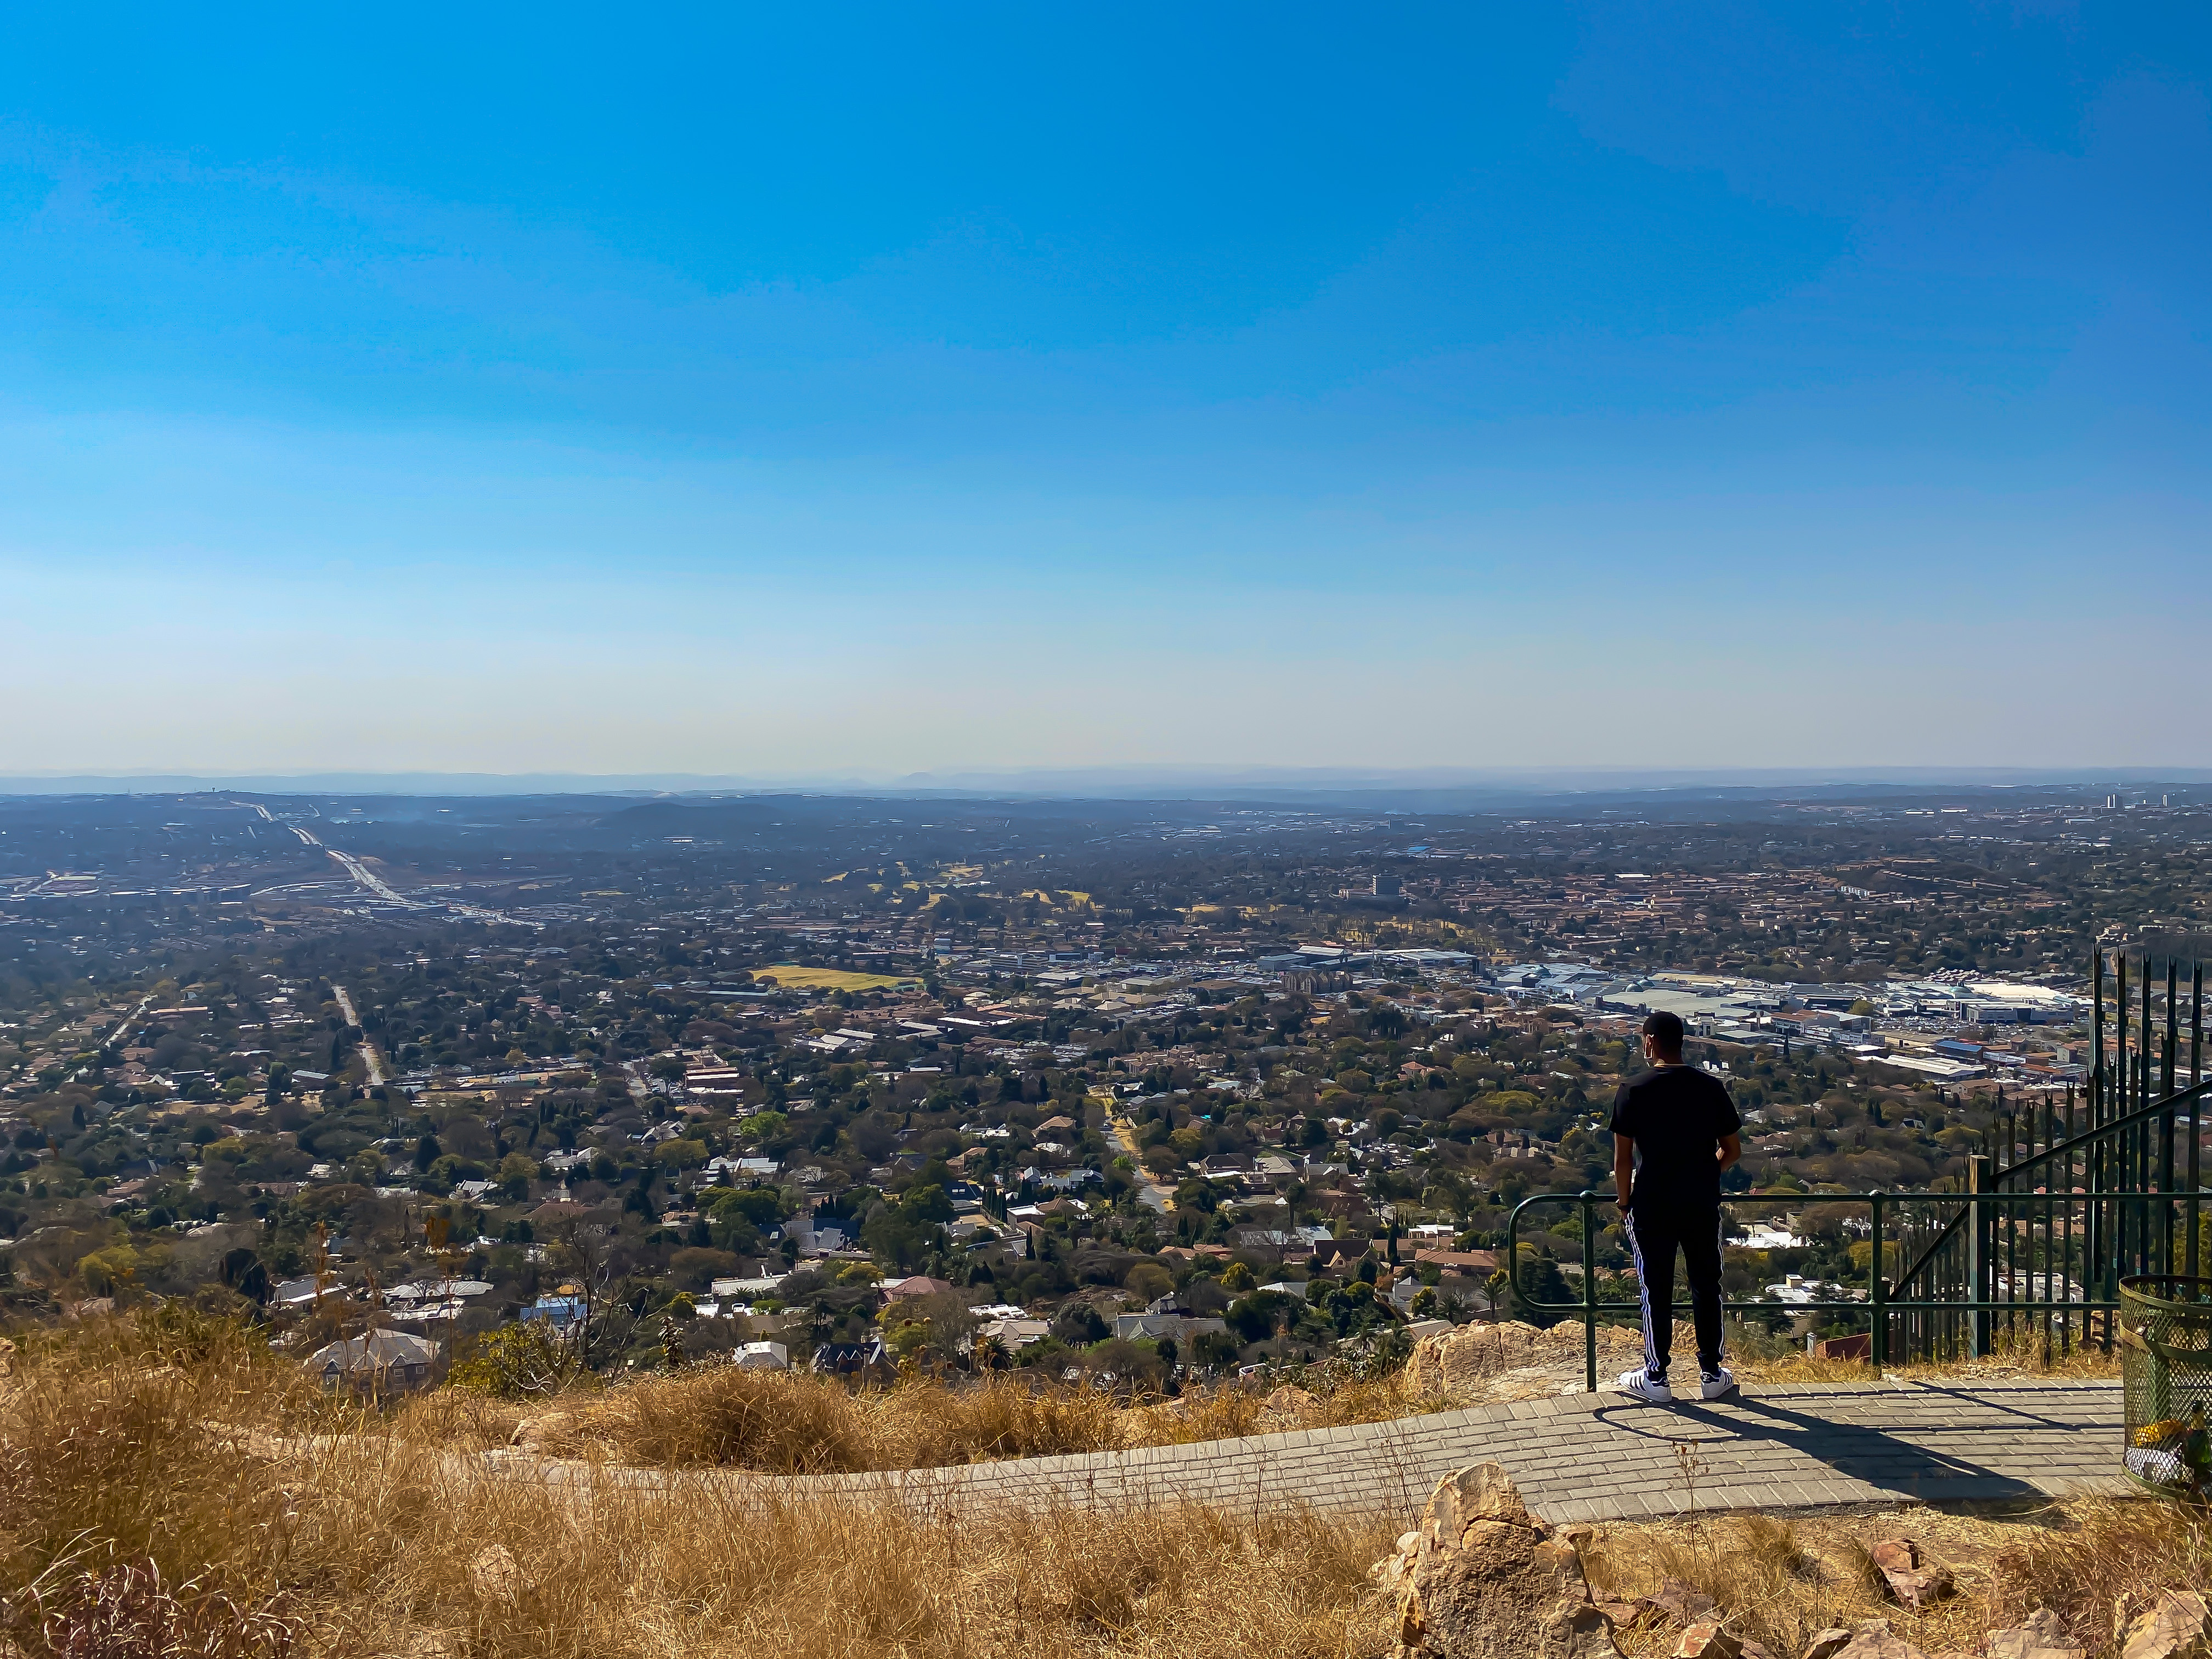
(516, 1172)
(681, 1153)
(1078, 1324)
(925, 1205)
(763, 1206)
(1540, 1280)
(243, 1270)
(1149, 1281)
(518, 1362)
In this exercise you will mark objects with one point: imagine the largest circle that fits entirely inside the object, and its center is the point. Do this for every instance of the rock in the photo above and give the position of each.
(1913, 1579)
(1482, 1579)
(1390, 1572)
(1875, 1640)
(1755, 1651)
(2178, 1626)
(550, 1432)
(1686, 1604)
(1467, 1362)
(1289, 1401)
(2041, 1638)
(1576, 1630)
(496, 1575)
(1707, 1640)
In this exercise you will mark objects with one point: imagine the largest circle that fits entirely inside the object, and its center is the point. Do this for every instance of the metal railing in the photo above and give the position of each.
(2133, 1139)
(1899, 1325)
(2073, 1195)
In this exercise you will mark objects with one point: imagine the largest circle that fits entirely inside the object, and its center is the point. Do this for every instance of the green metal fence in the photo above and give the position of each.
(2111, 1180)
(2076, 1191)
(1903, 1326)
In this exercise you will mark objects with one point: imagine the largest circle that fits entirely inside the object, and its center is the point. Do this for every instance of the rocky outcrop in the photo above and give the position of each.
(1872, 1640)
(1482, 1579)
(1707, 1640)
(2041, 1638)
(1463, 1364)
(1287, 1407)
(496, 1575)
(551, 1434)
(2178, 1626)
(1913, 1579)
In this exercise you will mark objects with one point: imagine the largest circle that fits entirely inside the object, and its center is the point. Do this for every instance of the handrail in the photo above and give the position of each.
(2144, 1214)
(1878, 1303)
(2140, 1115)
(2088, 1137)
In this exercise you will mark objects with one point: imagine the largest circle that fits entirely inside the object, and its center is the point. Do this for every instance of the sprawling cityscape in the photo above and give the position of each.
(1124, 1088)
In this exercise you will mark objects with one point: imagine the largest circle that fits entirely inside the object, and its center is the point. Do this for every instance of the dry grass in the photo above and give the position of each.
(794, 1423)
(2109, 1561)
(2095, 1563)
(793, 977)
(135, 1518)
(2021, 1355)
(168, 1487)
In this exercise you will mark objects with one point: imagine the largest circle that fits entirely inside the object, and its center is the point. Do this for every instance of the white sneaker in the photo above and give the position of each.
(1644, 1387)
(1713, 1384)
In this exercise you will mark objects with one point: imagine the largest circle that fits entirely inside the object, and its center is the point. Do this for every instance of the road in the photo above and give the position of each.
(378, 886)
(369, 1056)
(1152, 1196)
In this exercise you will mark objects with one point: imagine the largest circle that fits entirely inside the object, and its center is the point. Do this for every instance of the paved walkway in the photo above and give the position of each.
(1593, 1457)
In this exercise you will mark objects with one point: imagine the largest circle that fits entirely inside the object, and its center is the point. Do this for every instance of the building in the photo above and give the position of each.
(380, 1361)
(912, 1290)
(861, 1359)
(1174, 1325)
(562, 1313)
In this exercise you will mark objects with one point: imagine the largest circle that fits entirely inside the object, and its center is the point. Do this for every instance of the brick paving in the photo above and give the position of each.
(1598, 1457)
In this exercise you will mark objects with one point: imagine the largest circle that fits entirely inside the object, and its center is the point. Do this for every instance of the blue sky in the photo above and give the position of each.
(874, 390)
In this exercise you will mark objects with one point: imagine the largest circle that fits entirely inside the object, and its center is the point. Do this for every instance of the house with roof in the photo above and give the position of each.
(855, 1360)
(561, 1313)
(913, 1288)
(380, 1361)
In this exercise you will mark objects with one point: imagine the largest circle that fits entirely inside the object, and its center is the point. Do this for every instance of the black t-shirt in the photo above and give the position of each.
(1676, 1116)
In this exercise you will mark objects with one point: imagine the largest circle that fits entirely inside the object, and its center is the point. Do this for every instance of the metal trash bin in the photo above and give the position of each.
(2166, 1357)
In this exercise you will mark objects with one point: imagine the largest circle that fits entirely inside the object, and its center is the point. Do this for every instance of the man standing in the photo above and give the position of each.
(1674, 1129)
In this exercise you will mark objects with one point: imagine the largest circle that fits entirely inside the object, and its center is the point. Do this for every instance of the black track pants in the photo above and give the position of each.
(1655, 1233)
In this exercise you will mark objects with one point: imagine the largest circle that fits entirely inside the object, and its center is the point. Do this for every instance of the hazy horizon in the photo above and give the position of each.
(1463, 786)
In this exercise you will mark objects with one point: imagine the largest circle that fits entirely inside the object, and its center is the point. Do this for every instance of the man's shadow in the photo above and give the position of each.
(1854, 1450)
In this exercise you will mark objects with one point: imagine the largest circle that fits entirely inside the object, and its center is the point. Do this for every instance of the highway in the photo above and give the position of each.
(360, 872)
(378, 887)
